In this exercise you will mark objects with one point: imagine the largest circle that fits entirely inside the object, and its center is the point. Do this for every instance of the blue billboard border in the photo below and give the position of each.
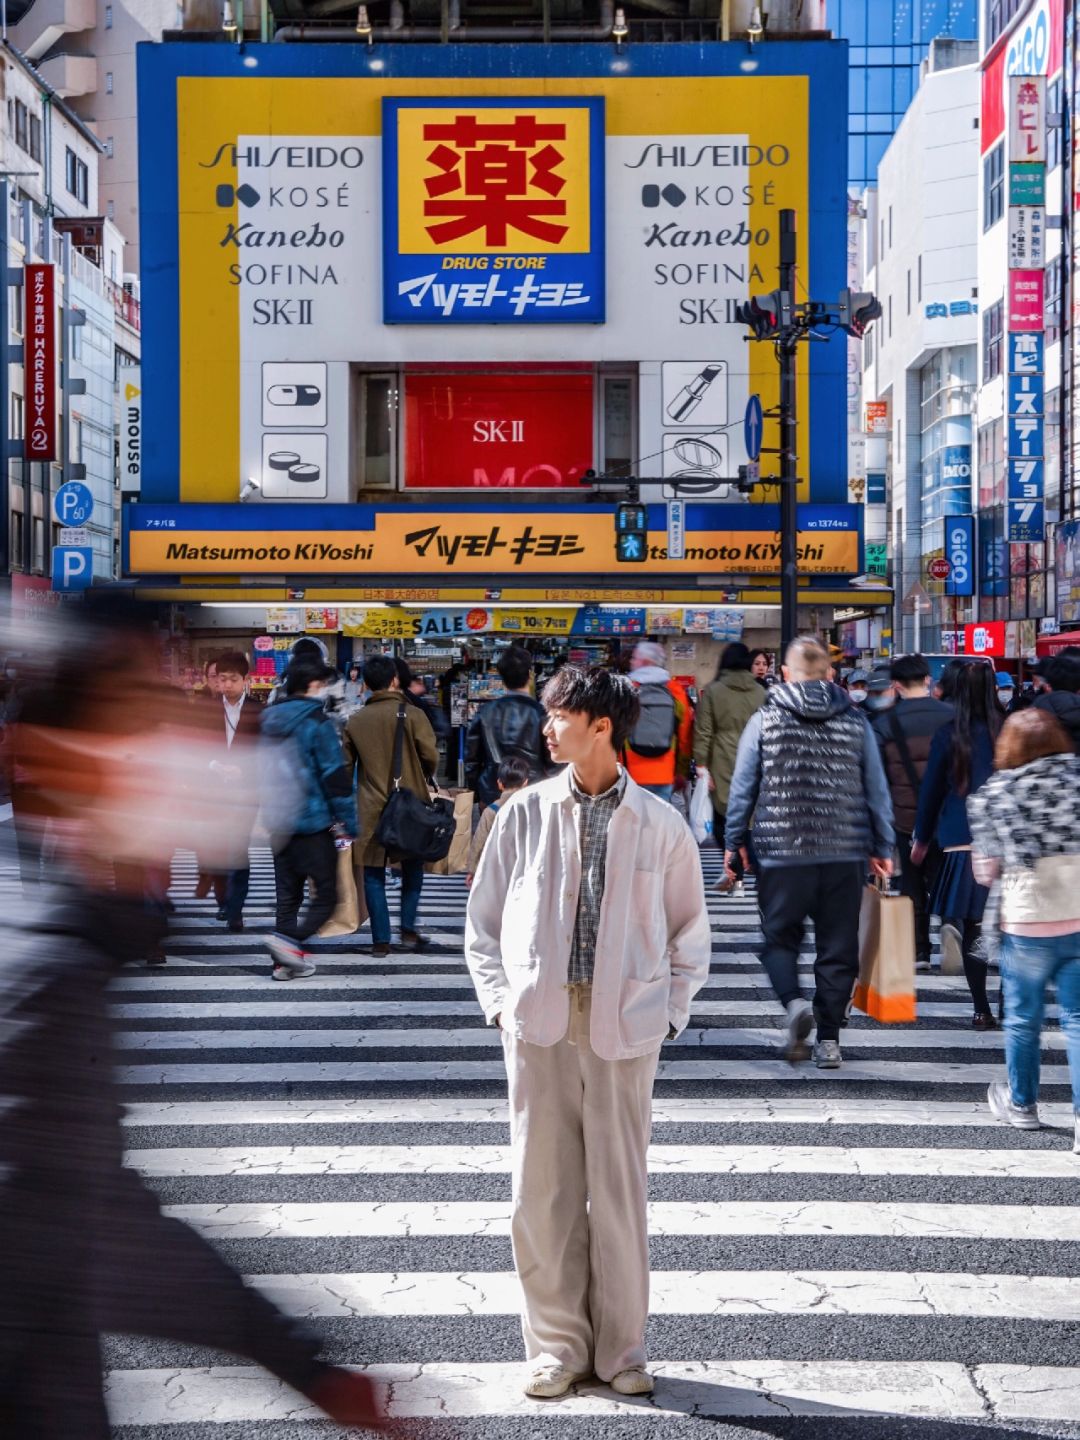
(161, 67)
(391, 104)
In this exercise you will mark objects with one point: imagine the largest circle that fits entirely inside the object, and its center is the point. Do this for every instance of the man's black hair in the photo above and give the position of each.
(305, 646)
(1062, 672)
(305, 672)
(513, 772)
(909, 669)
(597, 693)
(736, 656)
(232, 662)
(514, 667)
(379, 671)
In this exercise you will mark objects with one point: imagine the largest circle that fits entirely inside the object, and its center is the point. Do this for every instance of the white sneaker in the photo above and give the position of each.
(290, 962)
(827, 1055)
(1076, 1132)
(952, 951)
(1021, 1117)
(800, 1015)
(547, 1382)
(636, 1381)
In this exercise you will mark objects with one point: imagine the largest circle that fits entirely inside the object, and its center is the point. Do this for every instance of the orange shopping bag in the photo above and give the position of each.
(886, 986)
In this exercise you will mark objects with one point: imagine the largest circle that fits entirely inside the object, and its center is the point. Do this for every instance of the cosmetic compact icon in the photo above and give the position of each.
(690, 396)
(293, 396)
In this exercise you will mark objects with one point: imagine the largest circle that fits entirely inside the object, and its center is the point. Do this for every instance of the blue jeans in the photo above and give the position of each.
(412, 880)
(664, 792)
(1028, 964)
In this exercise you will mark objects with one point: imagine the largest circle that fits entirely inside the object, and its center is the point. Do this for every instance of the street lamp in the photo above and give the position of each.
(363, 25)
(620, 30)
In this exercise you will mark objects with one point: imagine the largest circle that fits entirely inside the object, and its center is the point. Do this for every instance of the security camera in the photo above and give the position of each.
(250, 487)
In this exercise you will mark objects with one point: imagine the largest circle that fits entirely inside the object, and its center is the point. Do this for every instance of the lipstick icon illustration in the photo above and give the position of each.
(690, 396)
(293, 396)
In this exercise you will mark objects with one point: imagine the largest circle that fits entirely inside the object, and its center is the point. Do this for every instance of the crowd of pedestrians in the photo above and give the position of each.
(587, 936)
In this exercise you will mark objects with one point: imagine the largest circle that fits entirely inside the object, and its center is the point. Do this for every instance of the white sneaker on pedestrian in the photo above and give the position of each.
(800, 1015)
(1021, 1117)
(636, 1381)
(827, 1055)
(1076, 1132)
(952, 950)
(290, 961)
(548, 1382)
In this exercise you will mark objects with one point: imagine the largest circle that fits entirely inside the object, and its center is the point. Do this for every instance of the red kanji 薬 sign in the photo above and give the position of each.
(493, 171)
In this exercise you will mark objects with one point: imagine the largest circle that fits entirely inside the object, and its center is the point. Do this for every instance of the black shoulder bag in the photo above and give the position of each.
(411, 828)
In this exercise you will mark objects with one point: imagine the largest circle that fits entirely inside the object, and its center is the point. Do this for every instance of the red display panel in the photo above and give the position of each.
(40, 362)
(498, 431)
(985, 638)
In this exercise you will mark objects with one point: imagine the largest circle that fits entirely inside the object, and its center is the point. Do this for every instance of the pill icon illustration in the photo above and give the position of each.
(305, 474)
(293, 396)
(282, 459)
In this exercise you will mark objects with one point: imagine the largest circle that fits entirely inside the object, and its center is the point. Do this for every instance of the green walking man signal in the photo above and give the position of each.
(632, 534)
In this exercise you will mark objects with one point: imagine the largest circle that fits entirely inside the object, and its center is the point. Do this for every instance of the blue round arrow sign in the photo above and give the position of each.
(753, 424)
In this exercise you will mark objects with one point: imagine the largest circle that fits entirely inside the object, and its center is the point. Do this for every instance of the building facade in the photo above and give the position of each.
(919, 380)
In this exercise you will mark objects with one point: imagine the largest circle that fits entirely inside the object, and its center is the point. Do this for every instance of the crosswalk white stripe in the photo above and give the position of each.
(898, 1072)
(289, 1009)
(776, 1219)
(925, 1390)
(485, 1037)
(162, 981)
(935, 1294)
(701, 1159)
(667, 1110)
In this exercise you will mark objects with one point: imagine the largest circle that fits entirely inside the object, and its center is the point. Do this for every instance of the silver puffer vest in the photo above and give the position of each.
(812, 800)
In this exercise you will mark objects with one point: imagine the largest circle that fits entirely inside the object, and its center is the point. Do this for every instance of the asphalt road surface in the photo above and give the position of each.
(859, 1254)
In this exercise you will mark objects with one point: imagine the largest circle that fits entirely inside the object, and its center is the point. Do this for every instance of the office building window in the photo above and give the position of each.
(993, 326)
(110, 209)
(18, 417)
(1054, 97)
(108, 82)
(994, 186)
(1053, 301)
(78, 177)
(35, 137)
(22, 138)
(109, 147)
(108, 17)
(998, 15)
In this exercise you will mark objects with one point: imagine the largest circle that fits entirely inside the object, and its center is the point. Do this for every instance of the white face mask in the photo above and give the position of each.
(1005, 696)
(856, 696)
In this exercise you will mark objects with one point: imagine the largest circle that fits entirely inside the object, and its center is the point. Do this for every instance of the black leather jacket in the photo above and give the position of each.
(511, 725)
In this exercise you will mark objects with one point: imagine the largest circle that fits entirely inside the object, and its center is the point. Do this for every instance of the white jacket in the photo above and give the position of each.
(653, 945)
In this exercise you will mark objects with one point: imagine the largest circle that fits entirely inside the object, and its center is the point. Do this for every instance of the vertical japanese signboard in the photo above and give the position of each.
(1024, 386)
(493, 210)
(40, 362)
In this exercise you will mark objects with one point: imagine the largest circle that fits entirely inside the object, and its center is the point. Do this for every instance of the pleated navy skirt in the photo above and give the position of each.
(956, 894)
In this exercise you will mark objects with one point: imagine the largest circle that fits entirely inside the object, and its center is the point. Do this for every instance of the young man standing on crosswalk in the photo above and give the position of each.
(587, 937)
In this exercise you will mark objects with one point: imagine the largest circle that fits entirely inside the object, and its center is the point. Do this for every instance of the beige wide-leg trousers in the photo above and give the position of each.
(579, 1128)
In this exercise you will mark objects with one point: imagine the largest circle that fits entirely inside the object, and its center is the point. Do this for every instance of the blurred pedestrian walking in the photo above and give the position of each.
(661, 743)
(1059, 677)
(722, 715)
(513, 776)
(809, 772)
(586, 967)
(234, 716)
(308, 806)
(961, 761)
(510, 726)
(369, 750)
(905, 733)
(86, 1248)
(1024, 833)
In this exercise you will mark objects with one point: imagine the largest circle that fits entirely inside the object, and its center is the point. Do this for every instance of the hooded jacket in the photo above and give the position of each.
(1065, 706)
(809, 771)
(324, 791)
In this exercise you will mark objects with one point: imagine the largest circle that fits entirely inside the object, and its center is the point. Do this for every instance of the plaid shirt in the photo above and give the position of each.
(596, 812)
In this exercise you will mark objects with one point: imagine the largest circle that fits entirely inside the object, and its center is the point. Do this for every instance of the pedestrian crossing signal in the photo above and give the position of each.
(632, 534)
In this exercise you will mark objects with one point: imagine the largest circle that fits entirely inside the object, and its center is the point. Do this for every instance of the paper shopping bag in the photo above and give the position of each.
(886, 986)
(457, 859)
(351, 911)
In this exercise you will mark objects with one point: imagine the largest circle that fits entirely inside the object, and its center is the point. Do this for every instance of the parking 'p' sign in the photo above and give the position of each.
(73, 504)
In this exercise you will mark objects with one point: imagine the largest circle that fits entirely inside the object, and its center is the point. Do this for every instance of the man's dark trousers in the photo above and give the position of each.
(302, 857)
(829, 894)
(915, 882)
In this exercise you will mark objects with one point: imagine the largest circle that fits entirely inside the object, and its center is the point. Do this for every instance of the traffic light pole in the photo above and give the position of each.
(789, 445)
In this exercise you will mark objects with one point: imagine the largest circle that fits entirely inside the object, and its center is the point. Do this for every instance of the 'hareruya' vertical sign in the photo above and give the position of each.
(40, 362)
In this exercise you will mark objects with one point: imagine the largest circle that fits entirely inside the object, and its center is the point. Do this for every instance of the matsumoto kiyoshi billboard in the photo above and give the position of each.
(312, 220)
